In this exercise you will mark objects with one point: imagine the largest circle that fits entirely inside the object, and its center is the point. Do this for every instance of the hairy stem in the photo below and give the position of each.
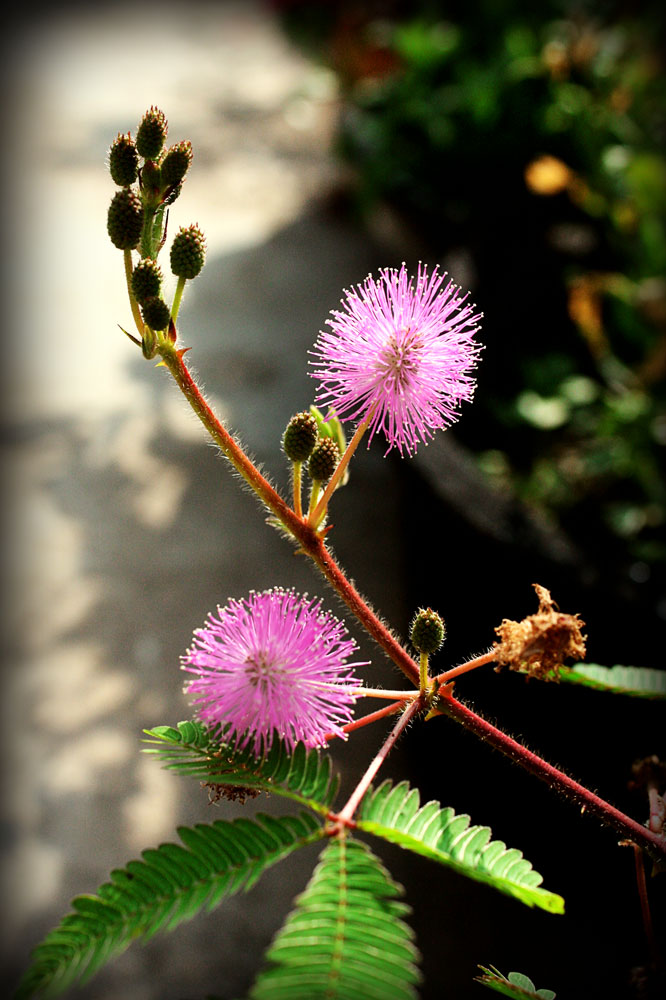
(478, 661)
(173, 360)
(629, 828)
(355, 798)
(366, 720)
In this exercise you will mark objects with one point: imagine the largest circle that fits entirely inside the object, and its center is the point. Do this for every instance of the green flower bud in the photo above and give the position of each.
(427, 631)
(123, 161)
(151, 181)
(151, 134)
(125, 219)
(188, 252)
(156, 313)
(323, 460)
(146, 280)
(175, 164)
(300, 437)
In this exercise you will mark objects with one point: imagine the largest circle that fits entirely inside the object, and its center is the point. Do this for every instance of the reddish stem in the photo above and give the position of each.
(478, 661)
(355, 798)
(630, 829)
(365, 720)
(645, 904)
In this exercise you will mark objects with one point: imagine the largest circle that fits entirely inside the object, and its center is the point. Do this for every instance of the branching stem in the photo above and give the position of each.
(311, 543)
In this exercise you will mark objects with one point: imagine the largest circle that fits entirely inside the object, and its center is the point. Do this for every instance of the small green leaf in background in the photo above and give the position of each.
(639, 682)
(332, 428)
(516, 985)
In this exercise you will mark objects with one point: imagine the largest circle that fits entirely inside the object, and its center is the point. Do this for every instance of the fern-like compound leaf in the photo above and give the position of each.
(347, 938)
(304, 776)
(168, 886)
(395, 813)
(639, 682)
(516, 985)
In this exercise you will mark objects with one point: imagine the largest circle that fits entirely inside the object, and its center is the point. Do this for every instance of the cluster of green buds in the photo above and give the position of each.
(150, 176)
(309, 439)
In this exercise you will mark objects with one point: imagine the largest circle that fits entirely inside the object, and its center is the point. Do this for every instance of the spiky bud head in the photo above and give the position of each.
(175, 164)
(123, 160)
(323, 460)
(156, 313)
(188, 252)
(300, 437)
(146, 280)
(125, 219)
(428, 631)
(151, 134)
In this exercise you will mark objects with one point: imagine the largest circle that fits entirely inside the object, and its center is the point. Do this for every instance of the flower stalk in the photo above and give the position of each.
(423, 672)
(317, 514)
(134, 305)
(344, 817)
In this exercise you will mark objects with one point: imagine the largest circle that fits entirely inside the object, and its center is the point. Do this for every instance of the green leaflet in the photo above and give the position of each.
(170, 885)
(516, 985)
(394, 812)
(640, 682)
(346, 939)
(304, 776)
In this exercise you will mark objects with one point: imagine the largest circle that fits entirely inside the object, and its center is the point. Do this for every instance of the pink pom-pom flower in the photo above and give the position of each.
(273, 665)
(399, 354)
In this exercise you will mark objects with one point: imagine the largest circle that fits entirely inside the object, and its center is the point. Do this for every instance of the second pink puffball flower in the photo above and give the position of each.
(274, 665)
(399, 354)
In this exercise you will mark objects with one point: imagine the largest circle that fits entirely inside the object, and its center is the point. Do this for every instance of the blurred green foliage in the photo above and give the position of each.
(523, 145)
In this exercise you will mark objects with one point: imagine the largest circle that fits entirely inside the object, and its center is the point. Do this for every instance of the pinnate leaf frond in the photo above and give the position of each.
(347, 938)
(304, 776)
(168, 886)
(395, 813)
